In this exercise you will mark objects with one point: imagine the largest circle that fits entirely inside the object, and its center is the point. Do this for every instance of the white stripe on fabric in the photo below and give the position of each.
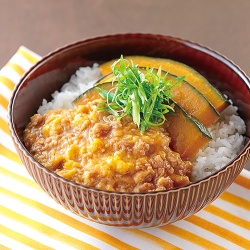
(3, 113)
(13, 244)
(32, 53)
(224, 224)
(23, 189)
(233, 209)
(208, 235)
(239, 191)
(14, 167)
(21, 61)
(11, 74)
(6, 140)
(5, 91)
(33, 234)
(179, 242)
(127, 236)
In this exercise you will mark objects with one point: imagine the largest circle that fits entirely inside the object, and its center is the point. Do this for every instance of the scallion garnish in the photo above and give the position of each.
(145, 96)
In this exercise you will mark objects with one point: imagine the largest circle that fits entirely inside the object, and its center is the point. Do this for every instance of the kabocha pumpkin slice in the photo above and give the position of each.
(186, 96)
(194, 103)
(188, 135)
(106, 78)
(178, 69)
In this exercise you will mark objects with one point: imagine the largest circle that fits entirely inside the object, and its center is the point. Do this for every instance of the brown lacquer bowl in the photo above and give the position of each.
(128, 209)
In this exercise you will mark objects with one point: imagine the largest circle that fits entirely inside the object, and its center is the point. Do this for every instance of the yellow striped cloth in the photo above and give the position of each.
(29, 219)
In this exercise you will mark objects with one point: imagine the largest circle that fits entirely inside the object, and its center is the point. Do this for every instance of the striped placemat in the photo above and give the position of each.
(29, 219)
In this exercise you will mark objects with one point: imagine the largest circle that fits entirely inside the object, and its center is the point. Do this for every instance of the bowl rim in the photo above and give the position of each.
(197, 46)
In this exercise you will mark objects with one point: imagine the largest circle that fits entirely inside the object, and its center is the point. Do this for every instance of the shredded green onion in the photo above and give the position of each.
(146, 97)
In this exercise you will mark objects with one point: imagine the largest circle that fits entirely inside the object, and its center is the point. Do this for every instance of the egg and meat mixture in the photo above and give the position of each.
(98, 150)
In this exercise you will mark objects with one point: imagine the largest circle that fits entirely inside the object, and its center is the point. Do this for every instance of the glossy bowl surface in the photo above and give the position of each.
(128, 209)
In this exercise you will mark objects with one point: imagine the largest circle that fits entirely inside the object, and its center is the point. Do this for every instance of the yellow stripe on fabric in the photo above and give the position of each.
(46, 230)
(2, 247)
(243, 181)
(19, 70)
(4, 102)
(32, 59)
(7, 82)
(219, 231)
(22, 239)
(236, 200)
(191, 237)
(156, 240)
(19, 178)
(98, 234)
(227, 216)
(9, 154)
(4, 126)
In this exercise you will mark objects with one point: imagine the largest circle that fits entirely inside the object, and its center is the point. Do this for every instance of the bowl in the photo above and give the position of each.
(135, 210)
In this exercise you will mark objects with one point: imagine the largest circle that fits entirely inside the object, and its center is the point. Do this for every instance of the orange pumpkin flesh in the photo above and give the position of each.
(187, 134)
(178, 69)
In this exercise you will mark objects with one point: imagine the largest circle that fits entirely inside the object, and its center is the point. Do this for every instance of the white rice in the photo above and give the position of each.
(227, 133)
(83, 79)
(228, 140)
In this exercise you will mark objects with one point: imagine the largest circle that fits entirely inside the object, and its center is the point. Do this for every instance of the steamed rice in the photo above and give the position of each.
(227, 133)
(83, 79)
(228, 140)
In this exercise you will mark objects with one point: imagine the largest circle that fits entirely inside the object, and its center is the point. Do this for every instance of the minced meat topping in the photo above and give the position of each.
(96, 149)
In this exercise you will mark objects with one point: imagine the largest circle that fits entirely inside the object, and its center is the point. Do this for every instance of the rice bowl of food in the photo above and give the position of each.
(132, 150)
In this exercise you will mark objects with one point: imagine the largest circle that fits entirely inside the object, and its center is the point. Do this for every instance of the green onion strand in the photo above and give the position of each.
(146, 97)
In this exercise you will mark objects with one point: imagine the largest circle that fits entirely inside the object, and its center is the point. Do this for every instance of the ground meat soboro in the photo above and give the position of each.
(98, 150)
